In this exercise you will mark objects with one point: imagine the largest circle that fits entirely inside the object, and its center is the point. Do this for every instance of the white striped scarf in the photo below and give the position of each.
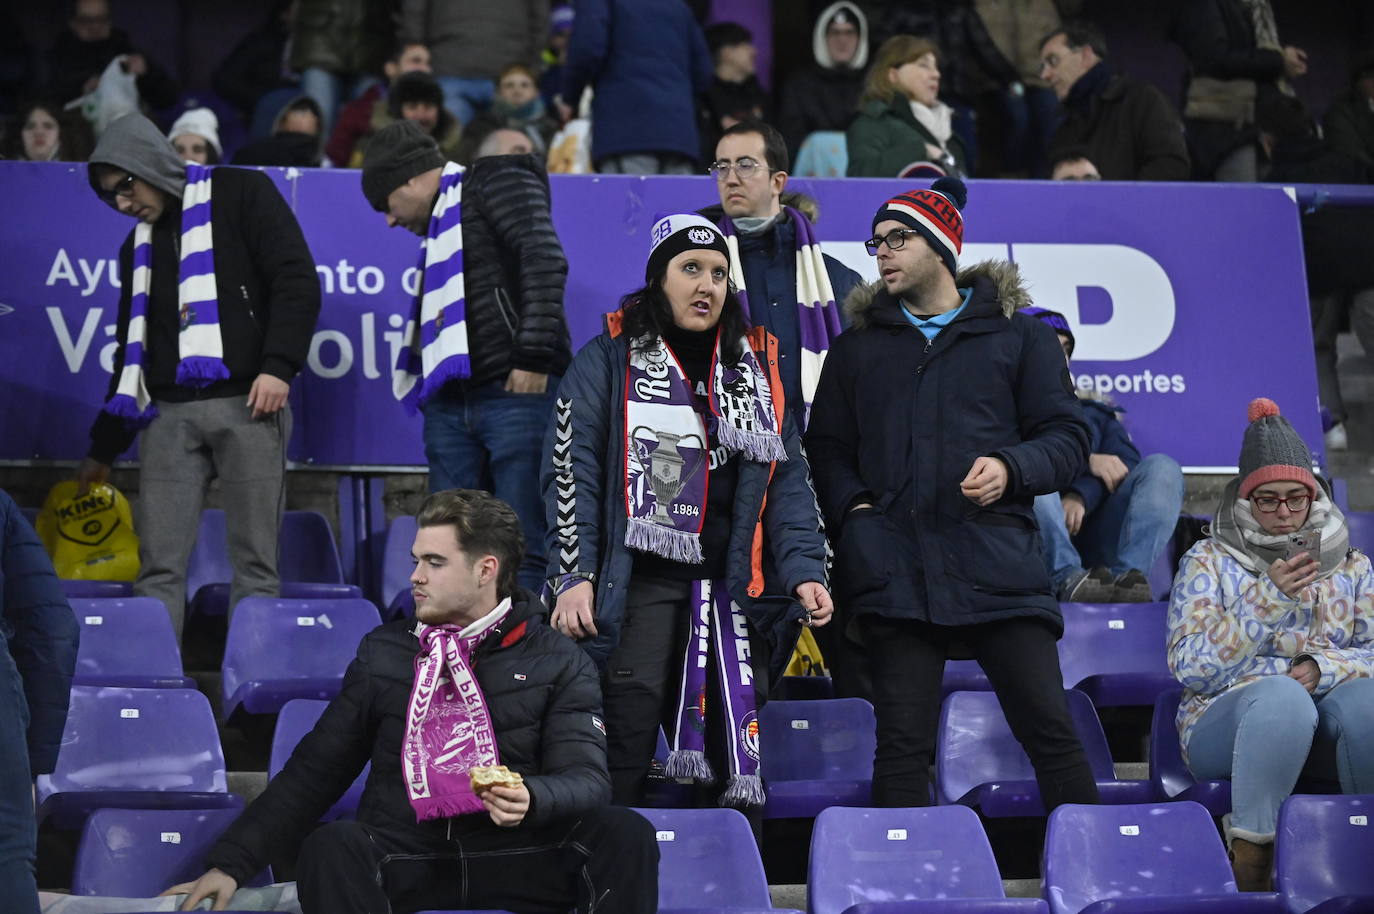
(436, 341)
(200, 347)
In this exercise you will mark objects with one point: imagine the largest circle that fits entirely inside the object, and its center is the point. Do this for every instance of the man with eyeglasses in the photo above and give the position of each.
(941, 414)
(216, 312)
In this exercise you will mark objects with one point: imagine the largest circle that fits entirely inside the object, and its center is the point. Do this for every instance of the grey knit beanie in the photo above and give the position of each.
(394, 155)
(1272, 451)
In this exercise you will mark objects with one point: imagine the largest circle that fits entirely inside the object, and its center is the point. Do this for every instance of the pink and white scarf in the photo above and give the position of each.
(448, 727)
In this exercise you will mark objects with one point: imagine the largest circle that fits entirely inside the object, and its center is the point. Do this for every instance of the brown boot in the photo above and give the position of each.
(1251, 863)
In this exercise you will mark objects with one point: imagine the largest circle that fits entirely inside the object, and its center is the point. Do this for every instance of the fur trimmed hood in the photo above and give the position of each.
(1005, 277)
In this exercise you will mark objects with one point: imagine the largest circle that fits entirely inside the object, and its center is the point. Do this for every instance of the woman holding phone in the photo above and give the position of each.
(1271, 632)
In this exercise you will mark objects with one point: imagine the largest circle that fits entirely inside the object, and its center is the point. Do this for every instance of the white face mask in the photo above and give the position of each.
(752, 225)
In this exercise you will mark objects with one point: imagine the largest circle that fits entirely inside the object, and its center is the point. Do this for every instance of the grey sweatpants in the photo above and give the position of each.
(187, 446)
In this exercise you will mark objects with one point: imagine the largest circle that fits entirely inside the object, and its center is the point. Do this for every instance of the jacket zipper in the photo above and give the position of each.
(504, 306)
(252, 315)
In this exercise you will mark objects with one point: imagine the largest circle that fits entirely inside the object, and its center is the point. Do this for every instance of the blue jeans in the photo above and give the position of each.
(487, 438)
(464, 98)
(1264, 735)
(18, 828)
(1030, 120)
(1128, 530)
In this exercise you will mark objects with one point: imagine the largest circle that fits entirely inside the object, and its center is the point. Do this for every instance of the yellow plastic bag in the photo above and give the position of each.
(89, 537)
(806, 658)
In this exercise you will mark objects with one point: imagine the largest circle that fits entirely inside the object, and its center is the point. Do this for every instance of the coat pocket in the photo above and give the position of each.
(1003, 554)
(863, 554)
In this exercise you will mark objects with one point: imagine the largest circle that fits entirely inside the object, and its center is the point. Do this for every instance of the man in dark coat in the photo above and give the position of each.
(941, 413)
(38, 642)
(824, 95)
(484, 429)
(85, 48)
(224, 327)
(544, 844)
(1129, 129)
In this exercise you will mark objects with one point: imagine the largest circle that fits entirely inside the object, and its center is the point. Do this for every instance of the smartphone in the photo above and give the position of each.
(1308, 541)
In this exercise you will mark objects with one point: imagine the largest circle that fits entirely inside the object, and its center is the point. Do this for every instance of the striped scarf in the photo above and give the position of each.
(200, 347)
(817, 314)
(436, 342)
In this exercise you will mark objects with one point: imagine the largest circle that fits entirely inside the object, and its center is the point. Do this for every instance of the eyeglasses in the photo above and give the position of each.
(123, 188)
(895, 241)
(744, 168)
(1269, 504)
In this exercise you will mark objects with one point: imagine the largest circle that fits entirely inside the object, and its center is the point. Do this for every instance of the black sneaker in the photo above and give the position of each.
(1133, 587)
(1094, 586)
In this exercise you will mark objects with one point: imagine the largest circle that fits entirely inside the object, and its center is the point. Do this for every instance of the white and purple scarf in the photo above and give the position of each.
(199, 344)
(718, 643)
(448, 726)
(666, 453)
(435, 350)
(817, 314)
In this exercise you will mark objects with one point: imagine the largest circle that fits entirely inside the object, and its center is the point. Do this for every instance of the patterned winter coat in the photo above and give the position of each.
(1228, 627)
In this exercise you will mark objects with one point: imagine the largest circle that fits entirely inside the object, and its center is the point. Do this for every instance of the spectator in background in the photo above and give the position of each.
(517, 106)
(902, 126)
(647, 62)
(555, 55)
(1349, 122)
(1274, 643)
(1128, 127)
(43, 132)
(504, 141)
(486, 388)
(1071, 163)
(1335, 242)
(296, 141)
(416, 97)
(38, 643)
(85, 48)
(206, 374)
(338, 46)
(735, 93)
(256, 78)
(470, 41)
(930, 506)
(18, 63)
(368, 113)
(1105, 530)
(824, 95)
(1024, 108)
(1235, 61)
(195, 137)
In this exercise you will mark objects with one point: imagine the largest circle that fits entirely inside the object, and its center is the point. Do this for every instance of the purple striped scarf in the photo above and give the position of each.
(435, 350)
(199, 344)
(817, 314)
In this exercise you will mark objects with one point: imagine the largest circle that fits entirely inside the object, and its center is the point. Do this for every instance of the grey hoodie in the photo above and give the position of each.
(134, 144)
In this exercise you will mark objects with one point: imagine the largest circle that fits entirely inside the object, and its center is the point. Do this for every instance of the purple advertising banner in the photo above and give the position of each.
(1178, 294)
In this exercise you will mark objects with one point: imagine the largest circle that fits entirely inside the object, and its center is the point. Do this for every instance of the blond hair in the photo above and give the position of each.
(896, 51)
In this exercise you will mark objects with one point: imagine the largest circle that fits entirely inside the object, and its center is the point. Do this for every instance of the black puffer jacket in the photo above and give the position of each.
(545, 706)
(514, 270)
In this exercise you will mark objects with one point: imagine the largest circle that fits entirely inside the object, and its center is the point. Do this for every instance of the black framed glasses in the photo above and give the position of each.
(124, 187)
(895, 241)
(744, 168)
(1269, 503)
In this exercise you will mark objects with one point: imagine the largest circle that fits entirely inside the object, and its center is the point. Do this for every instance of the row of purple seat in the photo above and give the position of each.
(1132, 859)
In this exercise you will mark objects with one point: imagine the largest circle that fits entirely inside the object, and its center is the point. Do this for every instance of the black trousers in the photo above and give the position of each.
(605, 861)
(1019, 657)
(639, 687)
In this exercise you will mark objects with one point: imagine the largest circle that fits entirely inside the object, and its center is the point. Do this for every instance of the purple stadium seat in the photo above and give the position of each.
(963, 676)
(297, 718)
(1324, 850)
(137, 853)
(1115, 652)
(1170, 778)
(96, 589)
(397, 566)
(127, 643)
(135, 749)
(308, 562)
(708, 862)
(979, 762)
(277, 650)
(887, 861)
(1361, 527)
(816, 754)
(1141, 858)
(805, 688)
(1161, 573)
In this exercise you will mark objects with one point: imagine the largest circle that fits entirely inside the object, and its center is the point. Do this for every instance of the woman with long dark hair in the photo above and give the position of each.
(685, 544)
